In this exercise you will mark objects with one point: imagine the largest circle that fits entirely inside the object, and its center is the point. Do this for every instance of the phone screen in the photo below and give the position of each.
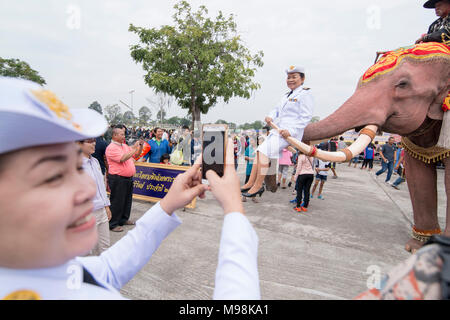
(213, 151)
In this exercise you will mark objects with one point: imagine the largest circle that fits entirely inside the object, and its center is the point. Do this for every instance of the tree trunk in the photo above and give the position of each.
(195, 111)
(196, 119)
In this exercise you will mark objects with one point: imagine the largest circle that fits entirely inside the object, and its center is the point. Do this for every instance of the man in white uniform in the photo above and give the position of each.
(46, 203)
(292, 114)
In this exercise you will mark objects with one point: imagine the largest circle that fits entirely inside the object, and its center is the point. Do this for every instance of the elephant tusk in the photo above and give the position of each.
(366, 136)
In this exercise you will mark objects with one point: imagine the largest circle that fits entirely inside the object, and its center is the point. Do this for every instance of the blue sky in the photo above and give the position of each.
(81, 48)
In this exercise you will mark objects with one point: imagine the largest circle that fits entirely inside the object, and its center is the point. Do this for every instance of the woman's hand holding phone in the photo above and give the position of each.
(184, 189)
(189, 185)
(227, 189)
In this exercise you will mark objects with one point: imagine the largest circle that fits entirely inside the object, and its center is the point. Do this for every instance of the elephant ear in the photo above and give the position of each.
(435, 112)
(444, 138)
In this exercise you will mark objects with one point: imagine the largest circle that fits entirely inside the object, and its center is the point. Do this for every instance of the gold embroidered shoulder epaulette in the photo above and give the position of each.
(306, 88)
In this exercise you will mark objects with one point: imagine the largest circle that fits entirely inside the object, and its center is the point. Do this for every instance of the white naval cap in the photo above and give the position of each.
(31, 115)
(294, 69)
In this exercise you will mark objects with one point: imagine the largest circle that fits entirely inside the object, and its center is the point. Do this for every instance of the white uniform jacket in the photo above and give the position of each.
(294, 113)
(236, 274)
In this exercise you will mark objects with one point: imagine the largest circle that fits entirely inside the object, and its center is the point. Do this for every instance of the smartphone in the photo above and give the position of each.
(214, 146)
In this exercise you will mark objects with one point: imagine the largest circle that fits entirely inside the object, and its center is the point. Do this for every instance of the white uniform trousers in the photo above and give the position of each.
(102, 224)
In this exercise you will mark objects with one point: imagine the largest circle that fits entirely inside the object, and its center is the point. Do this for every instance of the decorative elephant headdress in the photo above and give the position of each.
(390, 60)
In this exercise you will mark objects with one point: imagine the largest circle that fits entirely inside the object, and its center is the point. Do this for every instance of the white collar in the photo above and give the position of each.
(300, 88)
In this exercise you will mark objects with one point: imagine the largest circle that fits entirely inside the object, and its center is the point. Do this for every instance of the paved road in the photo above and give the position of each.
(321, 254)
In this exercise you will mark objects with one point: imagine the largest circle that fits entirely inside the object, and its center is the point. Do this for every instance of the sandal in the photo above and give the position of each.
(117, 229)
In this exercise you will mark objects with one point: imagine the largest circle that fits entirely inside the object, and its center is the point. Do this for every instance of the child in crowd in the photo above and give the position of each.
(304, 178)
(369, 153)
(294, 176)
(165, 158)
(283, 168)
(322, 169)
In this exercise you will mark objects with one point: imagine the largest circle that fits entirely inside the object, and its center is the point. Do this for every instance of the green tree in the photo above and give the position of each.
(161, 115)
(96, 106)
(220, 121)
(257, 125)
(19, 69)
(128, 118)
(161, 103)
(197, 61)
(145, 115)
(113, 114)
(173, 120)
(185, 122)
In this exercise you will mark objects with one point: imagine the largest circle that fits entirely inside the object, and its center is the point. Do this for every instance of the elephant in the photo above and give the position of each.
(403, 94)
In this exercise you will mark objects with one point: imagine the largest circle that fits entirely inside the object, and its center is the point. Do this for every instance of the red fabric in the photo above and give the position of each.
(390, 60)
(446, 104)
(145, 149)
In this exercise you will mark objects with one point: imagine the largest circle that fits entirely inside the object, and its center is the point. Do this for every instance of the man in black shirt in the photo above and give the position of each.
(439, 30)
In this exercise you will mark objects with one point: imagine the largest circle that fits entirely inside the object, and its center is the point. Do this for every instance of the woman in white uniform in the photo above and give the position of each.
(46, 204)
(292, 115)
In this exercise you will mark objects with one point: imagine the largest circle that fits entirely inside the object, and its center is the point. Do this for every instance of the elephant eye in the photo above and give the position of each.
(402, 84)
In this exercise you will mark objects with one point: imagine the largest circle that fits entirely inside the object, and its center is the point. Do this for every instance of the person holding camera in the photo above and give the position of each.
(120, 177)
(50, 225)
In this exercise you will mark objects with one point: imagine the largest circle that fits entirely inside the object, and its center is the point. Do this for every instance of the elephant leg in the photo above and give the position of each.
(447, 191)
(422, 186)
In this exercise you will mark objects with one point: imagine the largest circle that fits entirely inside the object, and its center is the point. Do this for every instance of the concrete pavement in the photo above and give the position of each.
(322, 254)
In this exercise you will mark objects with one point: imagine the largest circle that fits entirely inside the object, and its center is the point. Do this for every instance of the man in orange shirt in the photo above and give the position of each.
(120, 177)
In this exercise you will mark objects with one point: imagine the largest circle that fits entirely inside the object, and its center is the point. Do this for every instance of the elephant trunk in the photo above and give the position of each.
(366, 136)
(357, 112)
